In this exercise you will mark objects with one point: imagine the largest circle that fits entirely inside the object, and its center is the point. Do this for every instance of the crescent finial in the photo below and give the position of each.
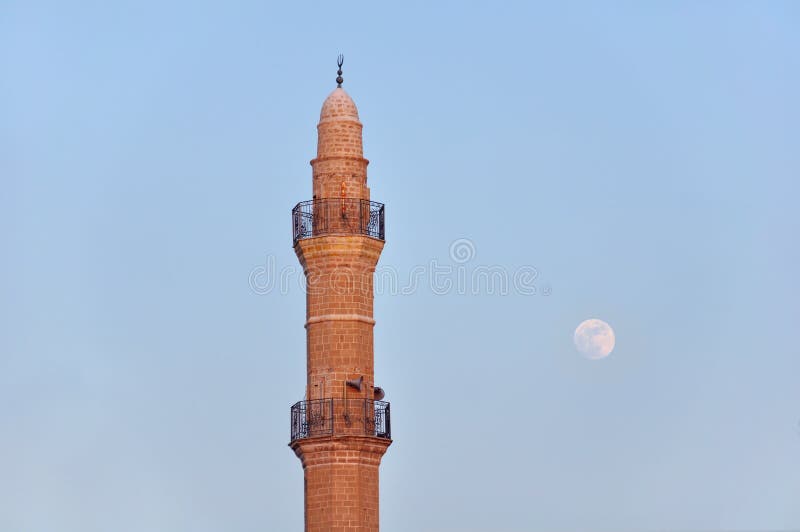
(339, 78)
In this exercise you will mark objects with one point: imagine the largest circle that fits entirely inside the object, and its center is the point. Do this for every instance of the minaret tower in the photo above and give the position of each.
(341, 430)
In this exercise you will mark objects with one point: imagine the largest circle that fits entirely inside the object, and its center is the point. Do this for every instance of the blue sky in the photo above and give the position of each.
(642, 157)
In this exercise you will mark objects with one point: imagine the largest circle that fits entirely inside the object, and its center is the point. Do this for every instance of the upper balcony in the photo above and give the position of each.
(348, 216)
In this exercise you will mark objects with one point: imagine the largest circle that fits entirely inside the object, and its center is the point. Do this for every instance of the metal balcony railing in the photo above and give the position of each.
(325, 417)
(338, 216)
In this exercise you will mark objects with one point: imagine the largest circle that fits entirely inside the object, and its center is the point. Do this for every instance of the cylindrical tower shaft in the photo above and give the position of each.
(340, 432)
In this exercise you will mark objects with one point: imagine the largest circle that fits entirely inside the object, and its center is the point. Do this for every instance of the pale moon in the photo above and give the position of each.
(594, 339)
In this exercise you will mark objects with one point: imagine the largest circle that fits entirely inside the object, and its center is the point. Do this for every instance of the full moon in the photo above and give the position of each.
(594, 339)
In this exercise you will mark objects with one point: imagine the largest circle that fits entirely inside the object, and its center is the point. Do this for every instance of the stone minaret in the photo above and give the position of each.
(341, 430)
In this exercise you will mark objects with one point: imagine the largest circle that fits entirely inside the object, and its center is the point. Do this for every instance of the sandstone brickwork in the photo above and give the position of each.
(340, 467)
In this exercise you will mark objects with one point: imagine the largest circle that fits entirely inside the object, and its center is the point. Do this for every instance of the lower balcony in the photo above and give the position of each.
(326, 417)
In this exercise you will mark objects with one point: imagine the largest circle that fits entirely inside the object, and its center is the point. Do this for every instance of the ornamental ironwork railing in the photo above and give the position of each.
(312, 418)
(326, 417)
(338, 216)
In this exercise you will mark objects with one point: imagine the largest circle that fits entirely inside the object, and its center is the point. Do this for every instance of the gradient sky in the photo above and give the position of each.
(643, 157)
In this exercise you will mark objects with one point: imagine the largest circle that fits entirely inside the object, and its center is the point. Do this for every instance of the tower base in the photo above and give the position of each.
(341, 481)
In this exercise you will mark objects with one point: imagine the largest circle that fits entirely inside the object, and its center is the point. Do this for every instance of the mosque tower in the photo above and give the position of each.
(341, 430)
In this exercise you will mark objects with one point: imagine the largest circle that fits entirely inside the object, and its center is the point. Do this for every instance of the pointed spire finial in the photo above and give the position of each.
(340, 62)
